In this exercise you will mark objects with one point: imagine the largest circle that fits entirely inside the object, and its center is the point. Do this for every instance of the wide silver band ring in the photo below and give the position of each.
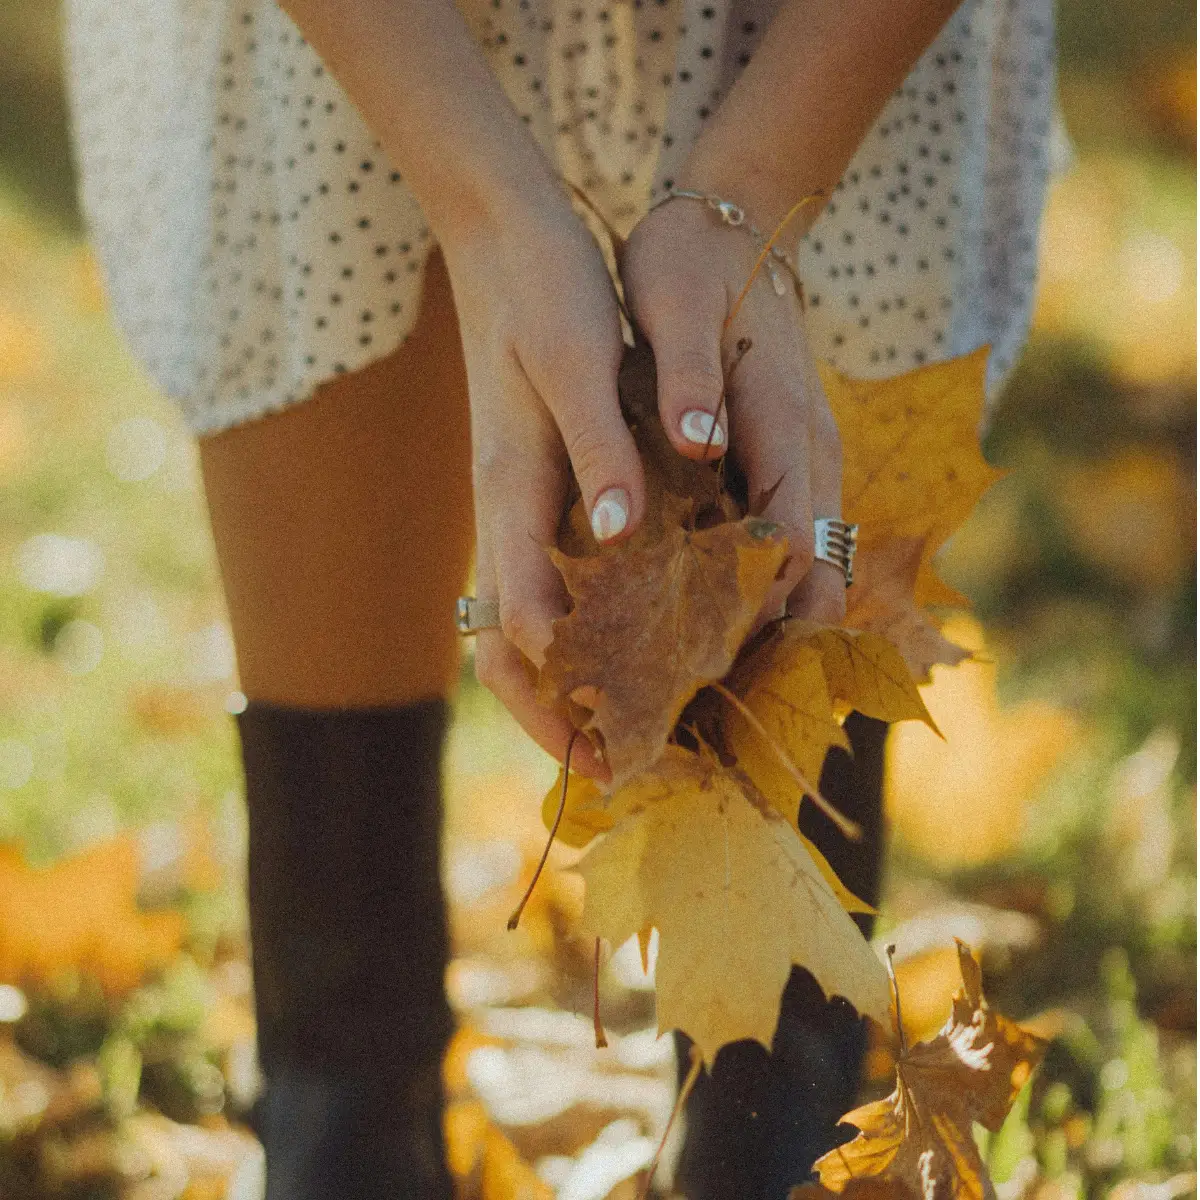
(835, 543)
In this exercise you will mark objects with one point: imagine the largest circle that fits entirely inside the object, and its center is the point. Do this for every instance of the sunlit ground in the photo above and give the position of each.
(1053, 829)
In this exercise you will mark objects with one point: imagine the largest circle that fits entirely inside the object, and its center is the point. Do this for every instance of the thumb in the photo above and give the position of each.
(687, 358)
(603, 454)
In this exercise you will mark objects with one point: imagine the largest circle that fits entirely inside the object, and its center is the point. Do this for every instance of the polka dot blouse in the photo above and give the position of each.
(256, 240)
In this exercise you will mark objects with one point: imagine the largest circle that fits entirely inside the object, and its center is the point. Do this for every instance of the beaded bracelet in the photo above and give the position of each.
(734, 214)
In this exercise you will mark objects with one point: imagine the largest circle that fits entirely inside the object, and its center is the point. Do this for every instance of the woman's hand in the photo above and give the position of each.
(683, 270)
(542, 342)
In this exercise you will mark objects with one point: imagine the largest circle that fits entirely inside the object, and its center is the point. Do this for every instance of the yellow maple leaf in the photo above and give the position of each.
(785, 689)
(736, 899)
(881, 601)
(912, 466)
(585, 814)
(866, 673)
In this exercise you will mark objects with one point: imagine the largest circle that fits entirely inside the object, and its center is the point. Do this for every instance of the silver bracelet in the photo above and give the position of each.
(734, 214)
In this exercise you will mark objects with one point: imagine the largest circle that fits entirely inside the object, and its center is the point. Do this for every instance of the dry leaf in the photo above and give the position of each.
(81, 914)
(921, 1135)
(736, 899)
(857, 1189)
(881, 601)
(651, 625)
(589, 811)
(866, 672)
(783, 685)
(913, 467)
(506, 1175)
(585, 814)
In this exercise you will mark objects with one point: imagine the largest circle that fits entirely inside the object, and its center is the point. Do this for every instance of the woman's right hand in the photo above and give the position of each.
(542, 342)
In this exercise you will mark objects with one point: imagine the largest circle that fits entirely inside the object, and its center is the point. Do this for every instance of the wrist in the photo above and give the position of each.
(764, 195)
(493, 198)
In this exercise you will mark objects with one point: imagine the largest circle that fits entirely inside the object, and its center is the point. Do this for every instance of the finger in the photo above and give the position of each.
(685, 335)
(821, 594)
(582, 398)
(520, 496)
(769, 423)
(500, 668)
(503, 670)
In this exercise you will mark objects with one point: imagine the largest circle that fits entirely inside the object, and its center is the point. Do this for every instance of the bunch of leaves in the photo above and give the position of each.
(919, 1141)
(714, 730)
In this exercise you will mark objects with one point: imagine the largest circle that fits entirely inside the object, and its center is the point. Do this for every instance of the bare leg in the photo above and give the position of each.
(343, 530)
(344, 527)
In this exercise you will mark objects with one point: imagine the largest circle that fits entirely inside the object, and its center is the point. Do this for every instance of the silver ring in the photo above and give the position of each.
(835, 544)
(472, 615)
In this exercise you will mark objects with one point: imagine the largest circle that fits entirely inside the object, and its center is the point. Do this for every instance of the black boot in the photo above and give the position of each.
(758, 1121)
(349, 948)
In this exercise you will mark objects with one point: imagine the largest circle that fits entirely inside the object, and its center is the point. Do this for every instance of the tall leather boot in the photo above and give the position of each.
(757, 1121)
(349, 948)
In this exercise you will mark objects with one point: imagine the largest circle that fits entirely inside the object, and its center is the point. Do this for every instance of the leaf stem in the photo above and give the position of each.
(558, 816)
(601, 1040)
(684, 1092)
(847, 826)
(891, 970)
(740, 352)
(766, 250)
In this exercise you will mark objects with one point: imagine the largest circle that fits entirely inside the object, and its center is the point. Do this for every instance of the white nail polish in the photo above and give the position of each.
(697, 425)
(610, 514)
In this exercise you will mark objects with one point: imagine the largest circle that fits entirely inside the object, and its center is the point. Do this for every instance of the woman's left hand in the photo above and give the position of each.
(683, 270)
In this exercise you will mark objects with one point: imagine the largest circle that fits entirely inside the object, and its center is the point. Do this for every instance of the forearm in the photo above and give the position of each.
(423, 86)
(792, 122)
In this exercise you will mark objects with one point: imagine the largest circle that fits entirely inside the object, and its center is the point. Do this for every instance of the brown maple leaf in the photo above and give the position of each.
(920, 1137)
(651, 624)
(882, 601)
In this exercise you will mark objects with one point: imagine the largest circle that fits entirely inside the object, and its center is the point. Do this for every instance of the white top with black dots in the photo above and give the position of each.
(256, 240)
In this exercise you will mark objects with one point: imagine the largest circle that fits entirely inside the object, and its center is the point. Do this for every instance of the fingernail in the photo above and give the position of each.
(610, 514)
(699, 427)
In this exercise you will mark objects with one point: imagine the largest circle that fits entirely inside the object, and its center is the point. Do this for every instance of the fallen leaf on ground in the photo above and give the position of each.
(81, 914)
(921, 1136)
(736, 899)
(506, 1175)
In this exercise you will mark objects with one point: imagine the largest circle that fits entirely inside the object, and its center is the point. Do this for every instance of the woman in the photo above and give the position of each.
(266, 187)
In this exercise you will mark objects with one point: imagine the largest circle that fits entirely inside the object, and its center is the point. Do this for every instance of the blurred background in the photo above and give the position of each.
(1054, 830)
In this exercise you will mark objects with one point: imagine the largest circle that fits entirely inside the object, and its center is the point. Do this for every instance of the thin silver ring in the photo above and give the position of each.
(471, 615)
